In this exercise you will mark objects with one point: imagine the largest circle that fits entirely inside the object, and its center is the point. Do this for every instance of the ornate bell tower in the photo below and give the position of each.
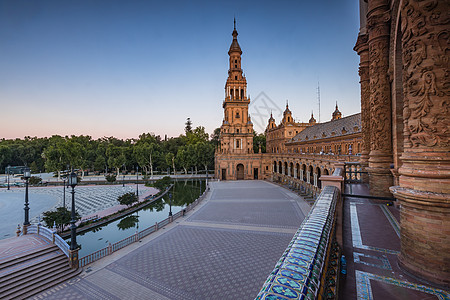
(236, 134)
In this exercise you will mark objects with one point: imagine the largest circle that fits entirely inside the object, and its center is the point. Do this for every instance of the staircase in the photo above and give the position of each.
(27, 274)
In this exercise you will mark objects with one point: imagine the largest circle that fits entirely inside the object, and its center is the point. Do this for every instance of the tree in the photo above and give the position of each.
(205, 154)
(188, 128)
(215, 137)
(145, 155)
(127, 199)
(170, 160)
(61, 218)
(259, 140)
(197, 135)
(116, 158)
(55, 155)
(182, 158)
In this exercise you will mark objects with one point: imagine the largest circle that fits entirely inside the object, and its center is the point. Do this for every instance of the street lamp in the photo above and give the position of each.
(64, 191)
(8, 175)
(123, 178)
(26, 176)
(170, 204)
(137, 181)
(72, 180)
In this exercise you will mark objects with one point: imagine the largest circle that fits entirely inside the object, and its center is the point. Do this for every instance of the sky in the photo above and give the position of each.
(123, 68)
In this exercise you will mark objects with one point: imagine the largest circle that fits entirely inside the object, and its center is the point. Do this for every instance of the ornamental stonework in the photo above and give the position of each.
(426, 75)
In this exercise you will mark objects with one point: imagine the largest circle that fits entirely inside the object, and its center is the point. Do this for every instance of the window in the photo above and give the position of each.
(235, 61)
(237, 115)
(237, 144)
(237, 130)
(235, 66)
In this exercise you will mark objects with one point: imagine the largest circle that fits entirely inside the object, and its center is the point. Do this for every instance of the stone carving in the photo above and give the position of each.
(380, 114)
(426, 47)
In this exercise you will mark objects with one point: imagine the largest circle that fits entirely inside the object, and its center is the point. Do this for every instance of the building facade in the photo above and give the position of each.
(278, 135)
(405, 88)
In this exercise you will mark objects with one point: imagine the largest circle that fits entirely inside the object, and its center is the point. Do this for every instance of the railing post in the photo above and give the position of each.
(18, 230)
(109, 248)
(156, 226)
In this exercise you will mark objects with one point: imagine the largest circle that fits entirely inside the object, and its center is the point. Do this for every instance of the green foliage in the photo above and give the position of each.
(110, 177)
(188, 128)
(127, 199)
(259, 140)
(34, 180)
(149, 152)
(61, 217)
(128, 222)
(162, 183)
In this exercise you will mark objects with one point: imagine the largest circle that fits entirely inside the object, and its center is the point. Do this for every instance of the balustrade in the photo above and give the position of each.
(309, 267)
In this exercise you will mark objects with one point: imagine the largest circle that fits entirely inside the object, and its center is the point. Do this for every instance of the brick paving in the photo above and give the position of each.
(371, 247)
(228, 258)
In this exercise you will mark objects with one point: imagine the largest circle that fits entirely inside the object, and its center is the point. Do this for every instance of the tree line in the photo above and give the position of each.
(110, 155)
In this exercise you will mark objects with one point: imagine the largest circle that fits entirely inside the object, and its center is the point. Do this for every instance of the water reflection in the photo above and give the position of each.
(183, 193)
(128, 222)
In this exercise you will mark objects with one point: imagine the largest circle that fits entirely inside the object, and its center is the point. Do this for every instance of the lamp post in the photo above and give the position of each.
(26, 176)
(137, 181)
(64, 191)
(170, 204)
(123, 178)
(8, 176)
(72, 180)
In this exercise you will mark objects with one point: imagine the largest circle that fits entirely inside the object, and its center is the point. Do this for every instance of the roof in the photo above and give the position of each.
(341, 127)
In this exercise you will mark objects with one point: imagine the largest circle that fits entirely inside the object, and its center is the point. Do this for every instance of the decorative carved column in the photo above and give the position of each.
(362, 48)
(424, 190)
(380, 156)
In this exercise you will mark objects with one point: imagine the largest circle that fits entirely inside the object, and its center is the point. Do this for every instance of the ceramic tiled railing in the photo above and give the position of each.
(306, 268)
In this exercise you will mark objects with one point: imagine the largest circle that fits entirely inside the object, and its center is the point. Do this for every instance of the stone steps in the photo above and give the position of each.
(28, 274)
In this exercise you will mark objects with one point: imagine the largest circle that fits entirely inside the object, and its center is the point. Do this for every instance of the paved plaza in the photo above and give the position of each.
(223, 250)
(90, 200)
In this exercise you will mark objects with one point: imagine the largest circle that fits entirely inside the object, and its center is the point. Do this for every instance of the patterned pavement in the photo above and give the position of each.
(247, 227)
(371, 247)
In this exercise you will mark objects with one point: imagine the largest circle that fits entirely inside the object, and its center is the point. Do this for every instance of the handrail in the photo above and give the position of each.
(304, 268)
(51, 236)
(111, 248)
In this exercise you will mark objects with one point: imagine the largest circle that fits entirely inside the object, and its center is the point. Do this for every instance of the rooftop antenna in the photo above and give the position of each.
(318, 97)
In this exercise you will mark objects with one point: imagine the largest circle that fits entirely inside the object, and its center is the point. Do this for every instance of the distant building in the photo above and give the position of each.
(278, 135)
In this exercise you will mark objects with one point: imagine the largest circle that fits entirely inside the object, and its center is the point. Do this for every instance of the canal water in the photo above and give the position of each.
(183, 193)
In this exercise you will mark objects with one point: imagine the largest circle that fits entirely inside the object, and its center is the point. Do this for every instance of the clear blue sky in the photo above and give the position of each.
(121, 68)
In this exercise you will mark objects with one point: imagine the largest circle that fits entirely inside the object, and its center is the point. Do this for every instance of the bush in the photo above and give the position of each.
(34, 180)
(128, 199)
(110, 178)
(162, 183)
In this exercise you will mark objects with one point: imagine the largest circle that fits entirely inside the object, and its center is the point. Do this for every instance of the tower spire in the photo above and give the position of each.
(234, 23)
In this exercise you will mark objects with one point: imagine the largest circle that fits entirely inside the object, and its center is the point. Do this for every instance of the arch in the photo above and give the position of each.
(242, 94)
(240, 172)
(274, 166)
(297, 166)
(304, 172)
(291, 167)
(280, 169)
(231, 93)
(319, 184)
(326, 172)
(285, 168)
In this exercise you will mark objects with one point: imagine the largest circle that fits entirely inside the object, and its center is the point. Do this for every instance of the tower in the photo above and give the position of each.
(236, 134)
(336, 114)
